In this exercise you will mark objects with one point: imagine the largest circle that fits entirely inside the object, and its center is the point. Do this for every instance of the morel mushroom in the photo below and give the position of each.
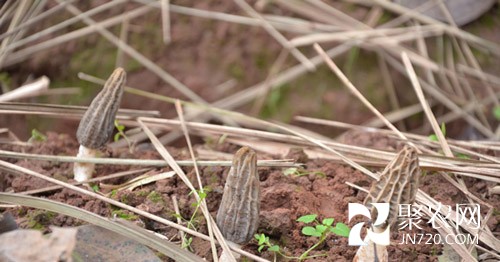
(238, 214)
(398, 184)
(97, 123)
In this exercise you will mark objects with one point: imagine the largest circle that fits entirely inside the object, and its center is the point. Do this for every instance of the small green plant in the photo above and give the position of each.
(37, 136)
(263, 242)
(191, 223)
(301, 172)
(321, 230)
(121, 133)
(434, 137)
(154, 196)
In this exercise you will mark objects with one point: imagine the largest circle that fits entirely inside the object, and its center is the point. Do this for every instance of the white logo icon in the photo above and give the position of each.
(382, 238)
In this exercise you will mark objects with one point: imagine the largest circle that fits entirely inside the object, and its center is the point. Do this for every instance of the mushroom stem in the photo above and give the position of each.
(83, 171)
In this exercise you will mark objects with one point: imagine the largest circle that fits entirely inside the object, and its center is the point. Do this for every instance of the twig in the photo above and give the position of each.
(165, 18)
(210, 225)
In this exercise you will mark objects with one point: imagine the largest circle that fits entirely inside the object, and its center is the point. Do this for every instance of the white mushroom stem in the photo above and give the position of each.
(83, 171)
(225, 257)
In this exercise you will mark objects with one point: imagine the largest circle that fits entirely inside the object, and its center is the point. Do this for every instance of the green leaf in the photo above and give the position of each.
(261, 238)
(260, 248)
(114, 192)
(187, 242)
(321, 228)
(327, 221)
(118, 126)
(307, 218)
(274, 248)
(310, 231)
(95, 188)
(290, 171)
(37, 136)
(117, 137)
(202, 195)
(341, 229)
(496, 112)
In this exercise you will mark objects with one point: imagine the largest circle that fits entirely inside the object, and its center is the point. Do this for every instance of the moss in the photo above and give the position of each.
(124, 214)
(155, 197)
(39, 219)
(214, 179)
(125, 198)
(142, 193)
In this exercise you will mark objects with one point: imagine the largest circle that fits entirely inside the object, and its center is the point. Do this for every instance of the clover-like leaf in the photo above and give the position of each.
(310, 231)
(341, 229)
(321, 228)
(202, 195)
(307, 218)
(327, 221)
(261, 238)
(274, 248)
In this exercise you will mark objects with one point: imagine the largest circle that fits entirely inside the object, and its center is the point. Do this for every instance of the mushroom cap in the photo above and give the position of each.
(97, 123)
(238, 214)
(398, 183)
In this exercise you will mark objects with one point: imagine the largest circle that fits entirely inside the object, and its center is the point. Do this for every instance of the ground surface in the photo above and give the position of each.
(284, 199)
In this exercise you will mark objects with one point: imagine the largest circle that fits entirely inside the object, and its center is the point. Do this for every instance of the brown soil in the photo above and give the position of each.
(284, 199)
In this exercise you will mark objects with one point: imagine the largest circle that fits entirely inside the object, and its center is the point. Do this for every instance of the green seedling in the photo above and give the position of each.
(191, 223)
(496, 112)
(301, 172)
(434, 137)
(263, 242)
(37, 136)
(121, 133)
(321, 230)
